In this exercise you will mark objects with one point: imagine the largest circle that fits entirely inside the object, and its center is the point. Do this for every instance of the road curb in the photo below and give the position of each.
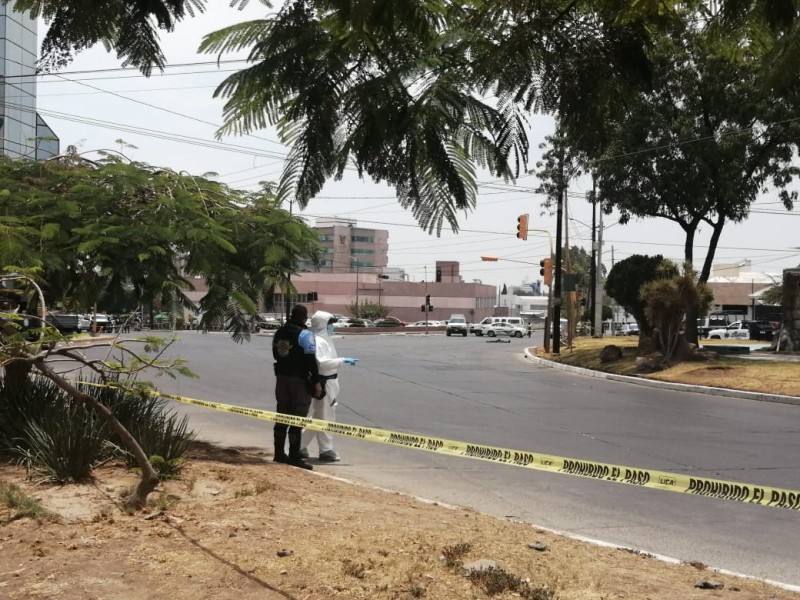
(682, 387)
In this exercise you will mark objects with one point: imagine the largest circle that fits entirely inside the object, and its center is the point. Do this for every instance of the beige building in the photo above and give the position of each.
(348, 247)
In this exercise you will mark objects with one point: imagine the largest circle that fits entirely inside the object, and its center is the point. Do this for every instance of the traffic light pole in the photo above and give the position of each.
(548, 318)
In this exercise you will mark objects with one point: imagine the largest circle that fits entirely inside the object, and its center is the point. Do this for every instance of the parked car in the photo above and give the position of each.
(390, 322)
(425, 324)
(457, 323)
(102, 322)
(508, 329)
(479, 328)
(266, 323)
(361, 323)
(627, 329)
(763, 330)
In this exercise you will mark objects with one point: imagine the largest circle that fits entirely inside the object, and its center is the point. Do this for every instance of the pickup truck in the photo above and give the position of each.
(68, 323)
(716, 320)
(739, 330)
(744, 330)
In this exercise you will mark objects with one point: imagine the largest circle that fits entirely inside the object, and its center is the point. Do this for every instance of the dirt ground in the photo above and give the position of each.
(236, 525)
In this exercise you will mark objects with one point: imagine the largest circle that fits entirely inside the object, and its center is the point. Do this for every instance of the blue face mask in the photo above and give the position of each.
(330, 329)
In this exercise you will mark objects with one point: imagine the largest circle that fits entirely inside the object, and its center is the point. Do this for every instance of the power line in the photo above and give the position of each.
(202, 63)
(174, 137)
(166, 110)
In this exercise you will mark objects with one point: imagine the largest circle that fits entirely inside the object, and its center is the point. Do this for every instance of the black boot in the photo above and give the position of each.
(280, 445)
(294, 449)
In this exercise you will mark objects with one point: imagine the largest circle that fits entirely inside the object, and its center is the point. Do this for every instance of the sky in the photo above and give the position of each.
(170, 119)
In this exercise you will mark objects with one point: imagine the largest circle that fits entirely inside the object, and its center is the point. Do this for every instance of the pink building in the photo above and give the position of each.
(336, 291)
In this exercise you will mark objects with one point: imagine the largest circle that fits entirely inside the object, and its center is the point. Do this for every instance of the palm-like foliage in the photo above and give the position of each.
(130, 27)
(382, 84)
(423, 94)
(770, 24)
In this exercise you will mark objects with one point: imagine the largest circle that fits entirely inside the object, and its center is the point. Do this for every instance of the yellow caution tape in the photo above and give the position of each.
(660, 480)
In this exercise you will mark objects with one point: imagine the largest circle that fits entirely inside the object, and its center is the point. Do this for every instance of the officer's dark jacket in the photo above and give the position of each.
(290, 358)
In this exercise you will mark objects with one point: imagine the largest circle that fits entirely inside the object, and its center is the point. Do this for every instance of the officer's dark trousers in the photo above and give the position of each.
(294, 398)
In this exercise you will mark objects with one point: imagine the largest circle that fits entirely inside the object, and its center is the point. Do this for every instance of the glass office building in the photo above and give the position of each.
(23, 133)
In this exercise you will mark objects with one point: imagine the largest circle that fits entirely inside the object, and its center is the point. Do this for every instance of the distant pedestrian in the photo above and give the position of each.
(296, 380)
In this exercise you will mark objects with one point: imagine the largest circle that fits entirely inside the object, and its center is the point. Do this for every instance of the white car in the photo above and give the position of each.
(508, 329)
(425, 324)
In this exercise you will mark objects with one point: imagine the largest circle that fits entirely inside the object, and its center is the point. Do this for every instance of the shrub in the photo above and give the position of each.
(160, 432)
(62, 439)
(64, 443)
(21, 404)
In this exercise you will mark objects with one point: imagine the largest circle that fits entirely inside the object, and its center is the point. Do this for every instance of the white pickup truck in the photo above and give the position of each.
(739, 330)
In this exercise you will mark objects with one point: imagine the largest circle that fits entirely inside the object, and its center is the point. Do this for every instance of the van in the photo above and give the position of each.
(477, 328)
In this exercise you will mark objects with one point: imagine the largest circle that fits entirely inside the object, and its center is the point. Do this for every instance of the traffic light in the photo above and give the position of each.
(547, 270)
(522, 226)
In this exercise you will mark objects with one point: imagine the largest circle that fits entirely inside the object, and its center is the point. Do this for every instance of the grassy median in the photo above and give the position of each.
(767, 376)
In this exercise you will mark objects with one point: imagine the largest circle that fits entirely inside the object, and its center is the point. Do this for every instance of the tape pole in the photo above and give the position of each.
(647, 478)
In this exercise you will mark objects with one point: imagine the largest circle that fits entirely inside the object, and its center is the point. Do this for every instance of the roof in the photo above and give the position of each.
(735, 293)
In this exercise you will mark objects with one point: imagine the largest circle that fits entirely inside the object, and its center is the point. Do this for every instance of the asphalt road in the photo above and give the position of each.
(469, 390)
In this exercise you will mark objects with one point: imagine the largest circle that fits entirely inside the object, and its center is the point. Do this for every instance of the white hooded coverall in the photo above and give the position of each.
(329, 364)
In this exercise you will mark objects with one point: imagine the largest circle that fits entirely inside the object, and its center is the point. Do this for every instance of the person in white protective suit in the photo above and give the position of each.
(325, 408)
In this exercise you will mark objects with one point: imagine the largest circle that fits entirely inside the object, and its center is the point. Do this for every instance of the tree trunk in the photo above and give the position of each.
(690, 331)
(149, 479)
(791, 309)
(16, 374)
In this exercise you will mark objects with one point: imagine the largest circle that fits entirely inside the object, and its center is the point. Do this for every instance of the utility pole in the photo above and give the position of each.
(287, 298)
(568, 269)
(592, 299)
(427, 300)
(557, 274)
(598, 287)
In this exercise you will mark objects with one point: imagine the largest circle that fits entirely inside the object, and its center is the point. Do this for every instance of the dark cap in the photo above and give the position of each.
(299, 314)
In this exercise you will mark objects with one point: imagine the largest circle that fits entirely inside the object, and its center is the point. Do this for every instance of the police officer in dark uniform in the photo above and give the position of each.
(297, 378)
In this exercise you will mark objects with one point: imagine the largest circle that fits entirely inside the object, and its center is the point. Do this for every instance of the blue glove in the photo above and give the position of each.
(350, 361)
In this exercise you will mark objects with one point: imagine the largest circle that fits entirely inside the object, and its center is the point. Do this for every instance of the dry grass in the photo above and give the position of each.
(766, 376)
(311, 538)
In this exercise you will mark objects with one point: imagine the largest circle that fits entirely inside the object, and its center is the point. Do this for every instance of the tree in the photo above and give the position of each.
(130, 27)
(666, 301)
(703, 144)
(110, 229)
(625, 281)
(772, 295)
(411, 92)
(369, 310)
(518, 291)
